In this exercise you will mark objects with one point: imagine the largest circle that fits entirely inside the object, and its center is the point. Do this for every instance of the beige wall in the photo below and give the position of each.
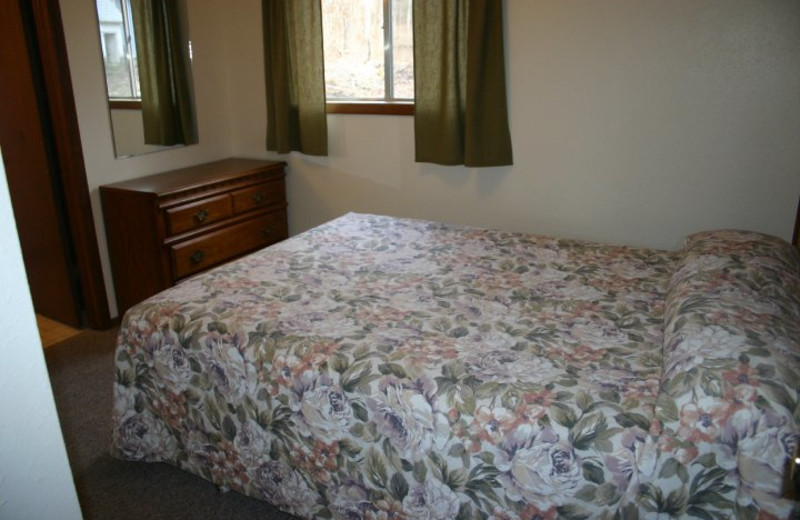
(633, 121)
(35, 477)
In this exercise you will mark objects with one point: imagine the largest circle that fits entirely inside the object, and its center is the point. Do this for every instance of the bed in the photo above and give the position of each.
(381, 368)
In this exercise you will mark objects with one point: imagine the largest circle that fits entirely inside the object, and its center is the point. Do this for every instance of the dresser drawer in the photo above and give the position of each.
(261, 195)
(197, 214)
(215, 248)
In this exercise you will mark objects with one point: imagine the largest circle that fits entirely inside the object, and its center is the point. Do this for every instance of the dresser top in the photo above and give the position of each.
(196, 176)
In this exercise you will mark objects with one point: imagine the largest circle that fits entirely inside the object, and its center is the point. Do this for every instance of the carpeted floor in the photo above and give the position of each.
(82, 371)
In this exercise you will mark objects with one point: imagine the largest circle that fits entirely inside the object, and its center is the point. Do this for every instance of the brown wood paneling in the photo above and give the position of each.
(133, 245)
(796, 237)
(367, 108)
(183, 181)
(29, 170)
(70, 163)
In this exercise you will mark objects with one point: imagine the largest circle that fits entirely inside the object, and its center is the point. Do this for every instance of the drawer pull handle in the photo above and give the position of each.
(197, 256)
(268, 232)
(201, 215)
(259, 197)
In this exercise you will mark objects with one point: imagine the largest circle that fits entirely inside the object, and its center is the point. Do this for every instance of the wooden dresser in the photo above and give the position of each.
(165, 227)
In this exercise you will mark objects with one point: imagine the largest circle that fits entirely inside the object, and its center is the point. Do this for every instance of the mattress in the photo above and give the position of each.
(377, 367)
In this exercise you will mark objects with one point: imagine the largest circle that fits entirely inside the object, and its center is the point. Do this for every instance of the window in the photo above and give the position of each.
(119, 53)
(369, 62)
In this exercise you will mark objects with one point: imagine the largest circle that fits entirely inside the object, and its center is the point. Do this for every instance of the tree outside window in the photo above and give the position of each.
(368, 59)
(119, 49)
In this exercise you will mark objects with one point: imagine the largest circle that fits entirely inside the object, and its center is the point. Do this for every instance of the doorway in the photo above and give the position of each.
(44, 166)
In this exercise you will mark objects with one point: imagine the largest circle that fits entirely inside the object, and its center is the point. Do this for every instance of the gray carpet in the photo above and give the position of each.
(82, 372)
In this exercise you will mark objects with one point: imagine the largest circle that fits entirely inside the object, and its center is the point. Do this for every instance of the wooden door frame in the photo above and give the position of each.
(796, 235)
(70, 164)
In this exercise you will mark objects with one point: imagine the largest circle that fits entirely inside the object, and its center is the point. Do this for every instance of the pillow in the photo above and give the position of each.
(738, 280)
(731, 374)
(744, 248)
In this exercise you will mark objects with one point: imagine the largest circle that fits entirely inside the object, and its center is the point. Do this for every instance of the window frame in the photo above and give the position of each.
(133, 102)
(372, 107)
(125, 103)
(389, 105)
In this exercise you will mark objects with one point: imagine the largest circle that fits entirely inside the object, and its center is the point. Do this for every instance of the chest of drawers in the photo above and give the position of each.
(165, 227)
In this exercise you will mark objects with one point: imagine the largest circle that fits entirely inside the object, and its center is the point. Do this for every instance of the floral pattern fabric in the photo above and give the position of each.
(729, 403)
(384, 368)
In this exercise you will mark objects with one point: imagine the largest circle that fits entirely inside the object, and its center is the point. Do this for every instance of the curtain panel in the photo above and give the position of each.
(164, 73)
(461, 110)
(295, 78)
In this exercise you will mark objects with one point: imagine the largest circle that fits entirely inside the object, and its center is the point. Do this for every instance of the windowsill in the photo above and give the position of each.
(125, 104)
(397, 108)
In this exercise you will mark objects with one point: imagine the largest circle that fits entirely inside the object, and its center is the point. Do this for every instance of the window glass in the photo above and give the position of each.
(402, 49)
(361, 51)
(119, 49)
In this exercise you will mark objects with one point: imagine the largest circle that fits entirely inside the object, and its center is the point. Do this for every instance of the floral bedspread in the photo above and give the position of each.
(728, 413)
(384, 368)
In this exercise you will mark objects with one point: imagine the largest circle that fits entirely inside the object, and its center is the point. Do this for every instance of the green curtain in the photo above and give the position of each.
(460, 112)
(164, 73)
(295, 77)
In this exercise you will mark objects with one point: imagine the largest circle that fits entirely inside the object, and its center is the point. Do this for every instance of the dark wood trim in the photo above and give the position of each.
(796, 236)
(125, 104)
(371, 107)
(71, 166)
